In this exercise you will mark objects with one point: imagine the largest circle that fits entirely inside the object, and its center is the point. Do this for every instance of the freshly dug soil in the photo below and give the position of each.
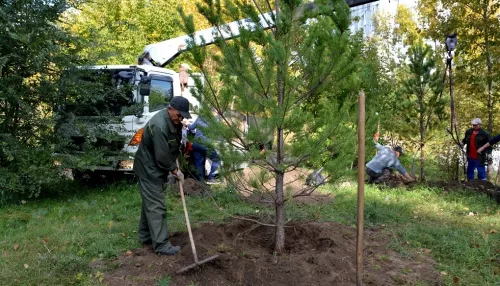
(316, 254)
(191, 187)
(396, 180)
(477, 186)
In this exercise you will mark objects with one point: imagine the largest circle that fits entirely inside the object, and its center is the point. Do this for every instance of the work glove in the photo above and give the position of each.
(409, 178)
(180, 176)
(171, 179)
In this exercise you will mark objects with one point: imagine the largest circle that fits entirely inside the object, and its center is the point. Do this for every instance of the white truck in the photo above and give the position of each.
(142, 91)
(141, 82)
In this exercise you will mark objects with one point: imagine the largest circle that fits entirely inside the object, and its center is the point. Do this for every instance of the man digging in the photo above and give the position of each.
(155, 159)
(379, 168)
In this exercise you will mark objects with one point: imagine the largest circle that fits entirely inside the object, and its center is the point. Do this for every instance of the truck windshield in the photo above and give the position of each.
(92, 92)
(162, 91)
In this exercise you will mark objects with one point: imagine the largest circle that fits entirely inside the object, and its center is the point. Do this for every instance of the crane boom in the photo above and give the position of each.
(166, 51)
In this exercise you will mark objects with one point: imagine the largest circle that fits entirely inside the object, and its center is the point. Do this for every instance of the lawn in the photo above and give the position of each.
(52, 241)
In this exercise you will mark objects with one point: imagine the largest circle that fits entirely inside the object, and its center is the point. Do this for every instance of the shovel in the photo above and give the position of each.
(193, 247)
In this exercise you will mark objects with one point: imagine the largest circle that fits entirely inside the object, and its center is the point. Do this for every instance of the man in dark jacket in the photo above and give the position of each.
(476, 137)
(154, 160)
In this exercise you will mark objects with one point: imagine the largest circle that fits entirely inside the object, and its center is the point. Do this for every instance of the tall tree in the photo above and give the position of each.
(477, 57)
(272, 75)
(422, 89)
(33, 52)
(116, 32)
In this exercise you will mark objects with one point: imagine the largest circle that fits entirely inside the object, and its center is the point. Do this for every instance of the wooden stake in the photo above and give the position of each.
(361, 188)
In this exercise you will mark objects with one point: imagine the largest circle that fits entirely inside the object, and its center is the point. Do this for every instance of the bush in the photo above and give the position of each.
(25, 171)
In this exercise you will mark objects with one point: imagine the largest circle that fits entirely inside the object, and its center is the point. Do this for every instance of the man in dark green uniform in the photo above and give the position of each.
(154, 161)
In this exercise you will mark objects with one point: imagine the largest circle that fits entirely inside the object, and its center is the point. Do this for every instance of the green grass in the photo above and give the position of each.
(52, 241)
(466, 247)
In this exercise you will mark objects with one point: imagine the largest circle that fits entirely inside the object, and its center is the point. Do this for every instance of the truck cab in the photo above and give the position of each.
(103, 110)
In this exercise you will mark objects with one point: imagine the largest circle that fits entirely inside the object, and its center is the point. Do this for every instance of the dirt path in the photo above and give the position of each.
(316, 254)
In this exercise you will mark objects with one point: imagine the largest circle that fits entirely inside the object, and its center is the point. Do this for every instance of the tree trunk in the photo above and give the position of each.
(489, 67)
(422, 135)
(489, 81)
(279, 243)
(453, 123)
(15, 120)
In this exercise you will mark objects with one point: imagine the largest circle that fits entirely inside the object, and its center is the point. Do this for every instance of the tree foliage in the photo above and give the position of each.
(33, 52)
(116, 32)
(276, 77)
(421, 96)
(477, 56)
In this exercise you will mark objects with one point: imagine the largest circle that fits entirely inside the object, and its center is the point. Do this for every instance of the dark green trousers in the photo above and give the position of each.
(153, 222)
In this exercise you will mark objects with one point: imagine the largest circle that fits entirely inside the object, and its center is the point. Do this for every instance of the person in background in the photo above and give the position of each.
(379, 168)
(474, 138)
(155, 160)
(145, 59)
(183, 76)
(202, 149)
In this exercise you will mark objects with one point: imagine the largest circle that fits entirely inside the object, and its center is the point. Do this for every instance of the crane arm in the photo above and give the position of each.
(165, 52)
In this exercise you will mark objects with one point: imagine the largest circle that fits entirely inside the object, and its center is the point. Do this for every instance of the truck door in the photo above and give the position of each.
(160, 95)
(162, 91)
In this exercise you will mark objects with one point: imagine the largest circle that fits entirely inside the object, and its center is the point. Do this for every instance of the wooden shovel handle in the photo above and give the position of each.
(186, 215)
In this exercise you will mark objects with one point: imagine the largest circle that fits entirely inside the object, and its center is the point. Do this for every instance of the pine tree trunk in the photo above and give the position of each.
(422, 174)
(279, 245)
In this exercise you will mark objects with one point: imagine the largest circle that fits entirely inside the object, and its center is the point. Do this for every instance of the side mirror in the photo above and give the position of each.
(145, 79)
(145, 89)
(145, 86)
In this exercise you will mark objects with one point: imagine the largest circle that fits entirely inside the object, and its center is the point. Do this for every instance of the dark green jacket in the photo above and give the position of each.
(159, 148)
(481, 138)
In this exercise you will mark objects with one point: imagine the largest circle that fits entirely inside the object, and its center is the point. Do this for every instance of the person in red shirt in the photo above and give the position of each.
(476, 137)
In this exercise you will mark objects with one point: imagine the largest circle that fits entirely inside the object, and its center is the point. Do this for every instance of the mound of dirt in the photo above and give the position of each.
(316, 254)
(477, 186)
(396, 181)
(191, 187)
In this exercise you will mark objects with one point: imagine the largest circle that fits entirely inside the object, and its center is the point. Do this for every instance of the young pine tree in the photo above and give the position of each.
(421, 101)
(282, 80)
